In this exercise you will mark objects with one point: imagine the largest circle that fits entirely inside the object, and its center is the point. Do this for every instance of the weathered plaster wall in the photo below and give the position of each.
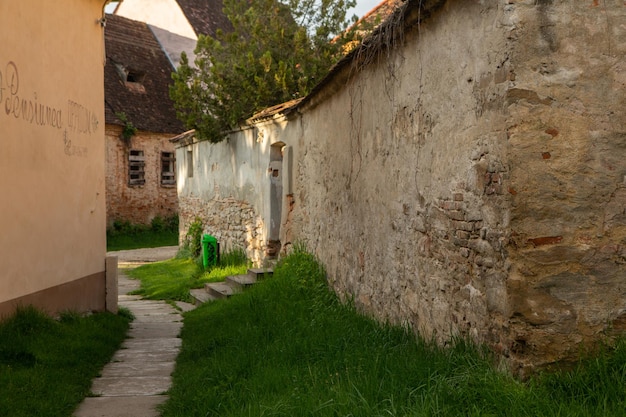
(567, 141)
(52, 159)
(475, 185)
(470, 181)
(228, 186)
(398, 189)
(137, 203)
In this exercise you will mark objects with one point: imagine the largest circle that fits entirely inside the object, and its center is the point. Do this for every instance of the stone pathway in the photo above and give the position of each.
(136, 380)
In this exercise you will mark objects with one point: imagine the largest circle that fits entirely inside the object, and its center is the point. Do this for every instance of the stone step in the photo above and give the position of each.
(241, 282)
(200, 296)
(260, 273)
(231, 285)
(219, 289)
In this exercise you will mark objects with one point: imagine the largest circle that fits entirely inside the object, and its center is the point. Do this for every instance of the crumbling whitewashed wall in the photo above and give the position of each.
(227, 185)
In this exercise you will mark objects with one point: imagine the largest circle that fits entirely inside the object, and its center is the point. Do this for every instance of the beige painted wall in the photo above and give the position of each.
(52, 130)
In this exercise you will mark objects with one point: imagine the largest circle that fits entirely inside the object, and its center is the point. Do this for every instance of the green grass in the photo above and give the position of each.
(172, 279)
(46, 365)
(161, 232)
(287, 347)
(144, 239)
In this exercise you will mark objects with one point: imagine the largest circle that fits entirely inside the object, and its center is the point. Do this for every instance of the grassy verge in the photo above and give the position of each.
(287, 347)
(172, 279)
(46, 365)
(143, 239)
(124, 235)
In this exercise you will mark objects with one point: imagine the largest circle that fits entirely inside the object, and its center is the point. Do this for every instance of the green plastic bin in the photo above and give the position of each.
(210, 251)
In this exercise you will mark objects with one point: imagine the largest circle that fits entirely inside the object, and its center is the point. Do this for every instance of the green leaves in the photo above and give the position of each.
(276, 51)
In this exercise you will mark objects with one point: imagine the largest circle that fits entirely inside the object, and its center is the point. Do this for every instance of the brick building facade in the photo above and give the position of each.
(140, 120)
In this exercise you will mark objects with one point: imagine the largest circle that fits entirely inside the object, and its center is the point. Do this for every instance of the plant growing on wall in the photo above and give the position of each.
(193, 238)
(128, 130)
(278, 50)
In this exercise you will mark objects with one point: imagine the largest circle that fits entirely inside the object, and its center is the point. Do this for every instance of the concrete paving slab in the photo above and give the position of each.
(147, 305)
(155, 330)
(127, 386)
(150, 333)
(144, 406)
(160, 344)
(125, 355)
(133, 383)
(152, 310)
(123, 299)
(158, 318)
(132, 369)
(155, 311)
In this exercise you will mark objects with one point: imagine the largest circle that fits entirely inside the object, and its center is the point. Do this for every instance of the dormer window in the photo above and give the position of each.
(134, 76)
(132, 79)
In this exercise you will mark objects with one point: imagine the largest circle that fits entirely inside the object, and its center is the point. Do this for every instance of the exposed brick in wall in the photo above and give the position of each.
(405, 202)
(470, 188)
(137, 203)
(234, 223)
(478, 188)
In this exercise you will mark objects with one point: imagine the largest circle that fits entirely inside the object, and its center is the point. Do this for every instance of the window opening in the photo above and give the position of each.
(136, 167)
(133, 79)
(167, 168)
(189, 164)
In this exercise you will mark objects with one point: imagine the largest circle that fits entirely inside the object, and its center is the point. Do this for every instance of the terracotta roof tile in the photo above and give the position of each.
(132, 47)
(205, 16)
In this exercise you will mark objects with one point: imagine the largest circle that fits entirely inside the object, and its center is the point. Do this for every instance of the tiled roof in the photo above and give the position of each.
(268, 113)
(382, 11)
(205, 16)
(405, 14)
(132, 47)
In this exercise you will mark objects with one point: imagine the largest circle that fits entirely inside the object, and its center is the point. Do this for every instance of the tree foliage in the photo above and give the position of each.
(276, 51)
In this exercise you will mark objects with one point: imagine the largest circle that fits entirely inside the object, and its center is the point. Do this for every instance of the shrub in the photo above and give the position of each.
(193, 239)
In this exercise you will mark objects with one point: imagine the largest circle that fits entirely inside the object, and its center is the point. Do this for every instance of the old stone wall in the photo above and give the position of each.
(567, 142)
(477, 184)
(234, 223)
(400, 183)
(138, 204)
